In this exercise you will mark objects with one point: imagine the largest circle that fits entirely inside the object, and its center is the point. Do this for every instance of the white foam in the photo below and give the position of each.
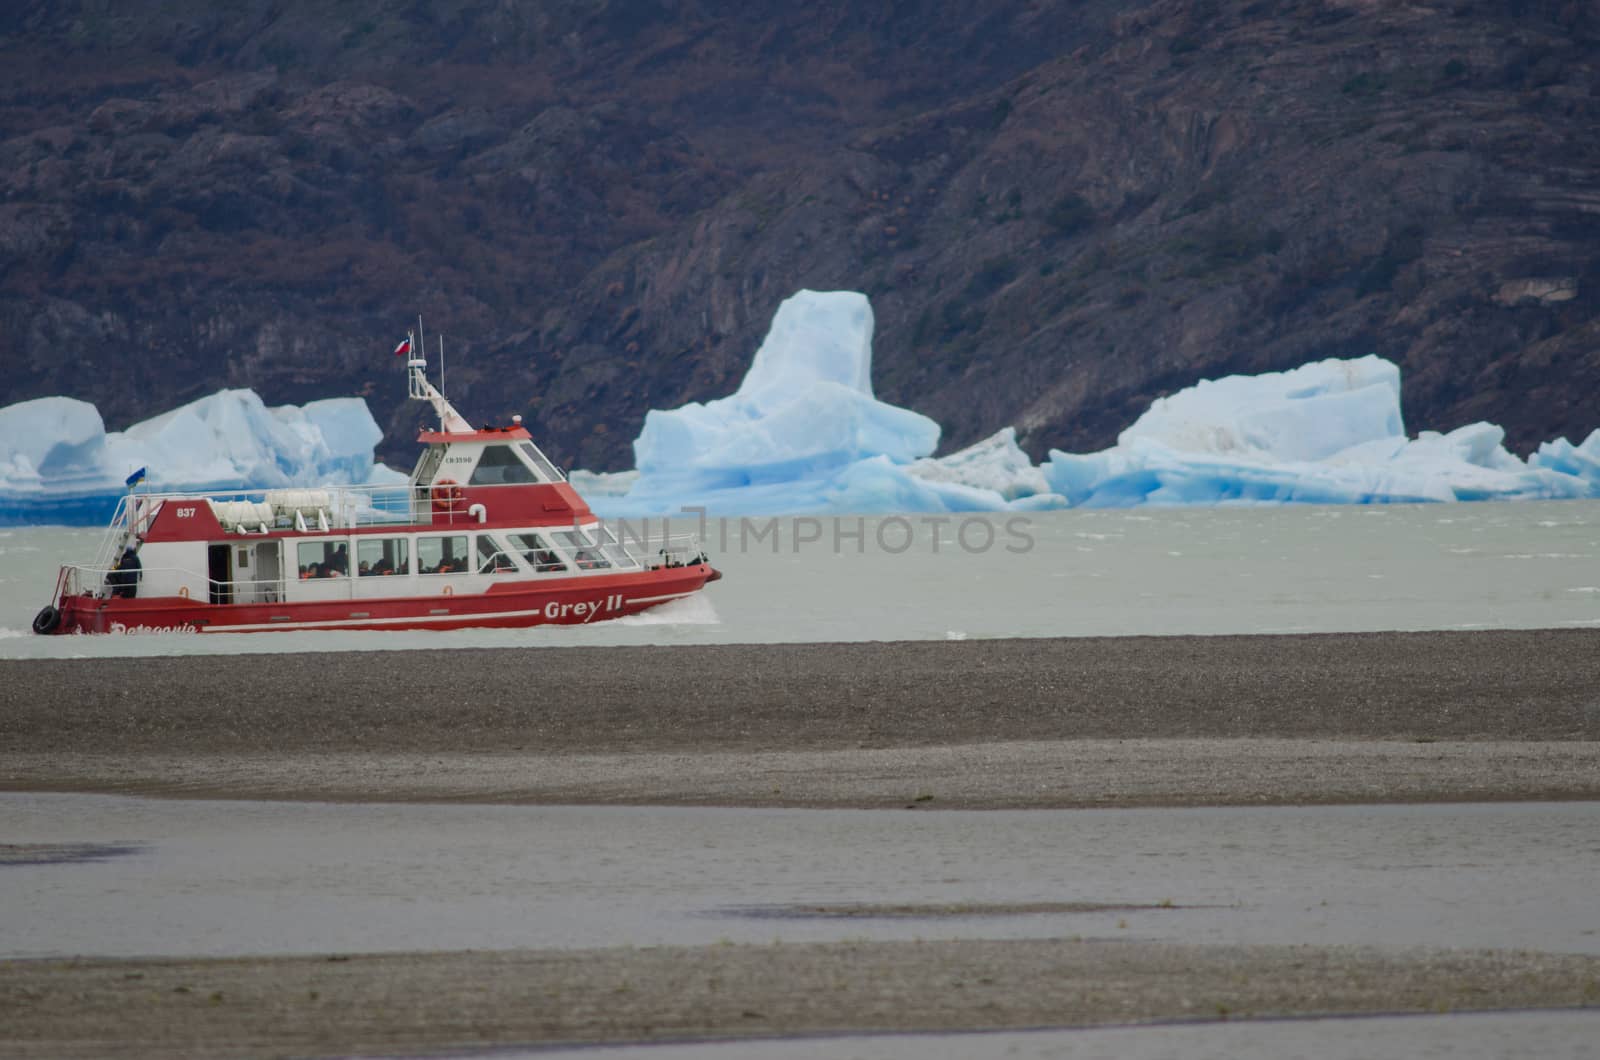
(696, 610)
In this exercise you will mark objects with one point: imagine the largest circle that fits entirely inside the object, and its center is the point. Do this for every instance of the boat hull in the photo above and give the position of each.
(510, 604)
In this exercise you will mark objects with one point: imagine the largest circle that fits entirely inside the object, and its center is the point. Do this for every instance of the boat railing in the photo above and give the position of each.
(96, 581)
(261, 511)
(678, 550)
(127, 522)
(85, 580)
(64, 579)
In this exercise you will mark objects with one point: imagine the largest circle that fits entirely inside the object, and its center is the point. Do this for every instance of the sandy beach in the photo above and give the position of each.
(974, 724)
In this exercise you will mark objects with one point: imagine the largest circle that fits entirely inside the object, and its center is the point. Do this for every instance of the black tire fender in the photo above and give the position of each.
(47, 621)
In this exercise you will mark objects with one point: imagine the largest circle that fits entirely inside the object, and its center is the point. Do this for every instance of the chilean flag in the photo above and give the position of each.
(404, 347)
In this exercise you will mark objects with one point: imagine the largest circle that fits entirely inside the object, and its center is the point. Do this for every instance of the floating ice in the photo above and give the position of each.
(1581, 461)
(997, 465)
(803, 434)
(58, 464)
(1324, 433)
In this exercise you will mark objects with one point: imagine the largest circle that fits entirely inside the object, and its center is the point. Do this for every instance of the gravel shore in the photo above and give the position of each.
(411, 1003)
(1060, 774)
(1015, 723)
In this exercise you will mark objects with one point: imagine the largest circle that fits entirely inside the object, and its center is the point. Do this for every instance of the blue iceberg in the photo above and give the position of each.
(59, 465)
(804, 434)
(1324, 433)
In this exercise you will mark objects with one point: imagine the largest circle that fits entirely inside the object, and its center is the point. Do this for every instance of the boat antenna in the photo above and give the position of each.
(450, 421)
(416, 368)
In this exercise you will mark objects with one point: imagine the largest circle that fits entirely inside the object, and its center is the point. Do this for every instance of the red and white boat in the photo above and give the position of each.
(487, 532)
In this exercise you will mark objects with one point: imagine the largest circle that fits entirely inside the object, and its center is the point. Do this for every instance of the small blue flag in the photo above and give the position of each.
(135, 478)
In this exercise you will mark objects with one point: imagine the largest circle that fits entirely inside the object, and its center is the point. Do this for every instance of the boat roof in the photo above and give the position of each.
(515, 432)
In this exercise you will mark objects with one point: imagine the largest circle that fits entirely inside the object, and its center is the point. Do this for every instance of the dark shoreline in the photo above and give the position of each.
(1151, 721)
(1509, 685)
(437, 1003)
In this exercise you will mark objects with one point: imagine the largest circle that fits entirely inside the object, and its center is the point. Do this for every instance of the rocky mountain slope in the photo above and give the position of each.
(1060, 210)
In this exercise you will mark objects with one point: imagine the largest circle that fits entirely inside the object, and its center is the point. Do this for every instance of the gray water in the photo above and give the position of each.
(1076, 573)
(131, 877)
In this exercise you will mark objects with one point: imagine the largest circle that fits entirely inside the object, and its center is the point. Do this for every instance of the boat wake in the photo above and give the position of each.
(694, 610)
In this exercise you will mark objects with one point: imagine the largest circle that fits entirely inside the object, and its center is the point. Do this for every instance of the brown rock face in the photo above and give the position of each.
(1060, 211)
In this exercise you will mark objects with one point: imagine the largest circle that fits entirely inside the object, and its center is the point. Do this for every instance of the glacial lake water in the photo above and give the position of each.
(1074, 573)
(130, 877)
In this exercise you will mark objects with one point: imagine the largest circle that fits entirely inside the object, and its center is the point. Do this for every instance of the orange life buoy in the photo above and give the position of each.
(446, 494)
(448, 590)
(183, 591)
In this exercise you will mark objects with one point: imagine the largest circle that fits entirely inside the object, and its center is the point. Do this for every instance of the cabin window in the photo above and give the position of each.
(584, 553)
(379, 556)
(323, 559)
(443, 555)
(537, 551)
(492, 557)
(499, 466)
(540, 461)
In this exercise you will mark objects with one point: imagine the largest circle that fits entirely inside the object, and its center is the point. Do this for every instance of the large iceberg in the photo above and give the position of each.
(1324, 433)
(59, 465)
(804, 434)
